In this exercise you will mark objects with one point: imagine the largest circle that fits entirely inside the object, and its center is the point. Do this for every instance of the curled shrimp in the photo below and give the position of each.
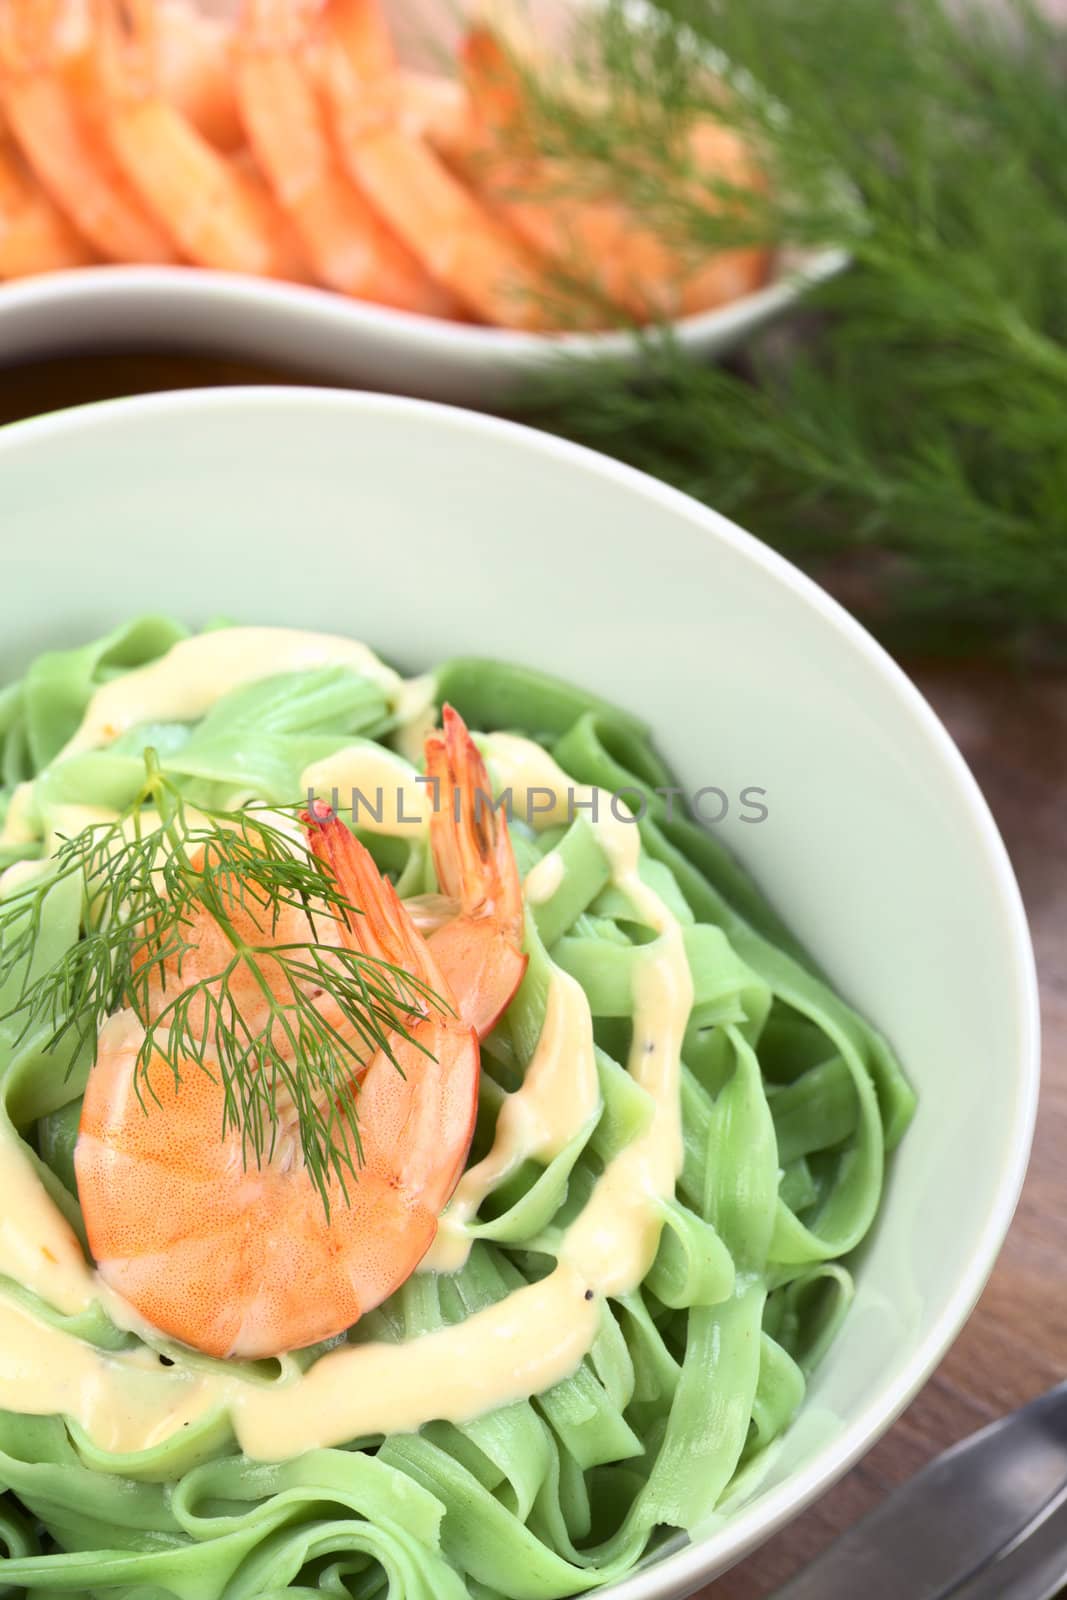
(53, 120)
(479, 950)
(349, 245)
(591, 235)
(218, 210)
(243, 1261)
(457, 239)
(193, 63)
(435, 108)
(35, 236)
(195, 60)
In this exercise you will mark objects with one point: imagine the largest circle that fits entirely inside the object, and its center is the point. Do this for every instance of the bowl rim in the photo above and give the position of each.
(679, 1573)
(338, 314)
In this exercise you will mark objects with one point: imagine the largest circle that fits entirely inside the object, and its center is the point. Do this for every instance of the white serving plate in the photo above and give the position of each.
(430, 531)
(324, 336)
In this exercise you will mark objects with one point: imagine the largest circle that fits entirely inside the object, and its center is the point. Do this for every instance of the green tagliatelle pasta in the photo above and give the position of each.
(790, 1102)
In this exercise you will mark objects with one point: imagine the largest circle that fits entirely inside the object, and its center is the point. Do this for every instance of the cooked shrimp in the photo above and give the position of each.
(195, 63)
(350, 248)
(718, 152)
(207, 950)
(219, 213)
(454, 236)
(57, 134)
(592, 236)
(435, 108)
(480, 950)
(244, 1262)
(34, 235)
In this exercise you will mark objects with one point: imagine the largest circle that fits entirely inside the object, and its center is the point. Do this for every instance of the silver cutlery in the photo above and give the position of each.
(987, 1520)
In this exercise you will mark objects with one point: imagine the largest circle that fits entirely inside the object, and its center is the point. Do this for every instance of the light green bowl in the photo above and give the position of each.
(428, 532)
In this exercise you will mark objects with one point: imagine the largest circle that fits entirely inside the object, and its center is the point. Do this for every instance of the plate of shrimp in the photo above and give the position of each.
(301, 182)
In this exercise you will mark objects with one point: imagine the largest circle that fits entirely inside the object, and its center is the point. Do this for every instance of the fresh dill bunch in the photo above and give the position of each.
(912, 422)
(148, 881)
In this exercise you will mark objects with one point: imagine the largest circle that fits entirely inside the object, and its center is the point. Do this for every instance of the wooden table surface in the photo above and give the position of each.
(1013, 731)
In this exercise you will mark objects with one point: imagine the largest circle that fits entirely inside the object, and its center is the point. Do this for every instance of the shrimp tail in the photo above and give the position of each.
(471, 850)
(127, 40)
(361, 29)
(381, 927)
(481, 950)
(493, 78)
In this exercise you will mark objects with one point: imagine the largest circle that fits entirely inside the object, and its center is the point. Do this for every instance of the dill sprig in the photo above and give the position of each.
(260, 1019)
(907, 430)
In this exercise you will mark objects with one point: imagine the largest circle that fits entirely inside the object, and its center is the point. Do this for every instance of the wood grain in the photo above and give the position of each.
(1013, 732)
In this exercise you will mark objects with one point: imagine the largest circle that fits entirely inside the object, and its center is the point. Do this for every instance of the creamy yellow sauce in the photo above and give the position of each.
(522, 1346)
(64, 821)
(382, 788)
(542, 881)
(38, 1247)
(185, 683)
(613, 1242)
(20, 822)
(415, 704)
(558, 1099)
(127, 1401)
